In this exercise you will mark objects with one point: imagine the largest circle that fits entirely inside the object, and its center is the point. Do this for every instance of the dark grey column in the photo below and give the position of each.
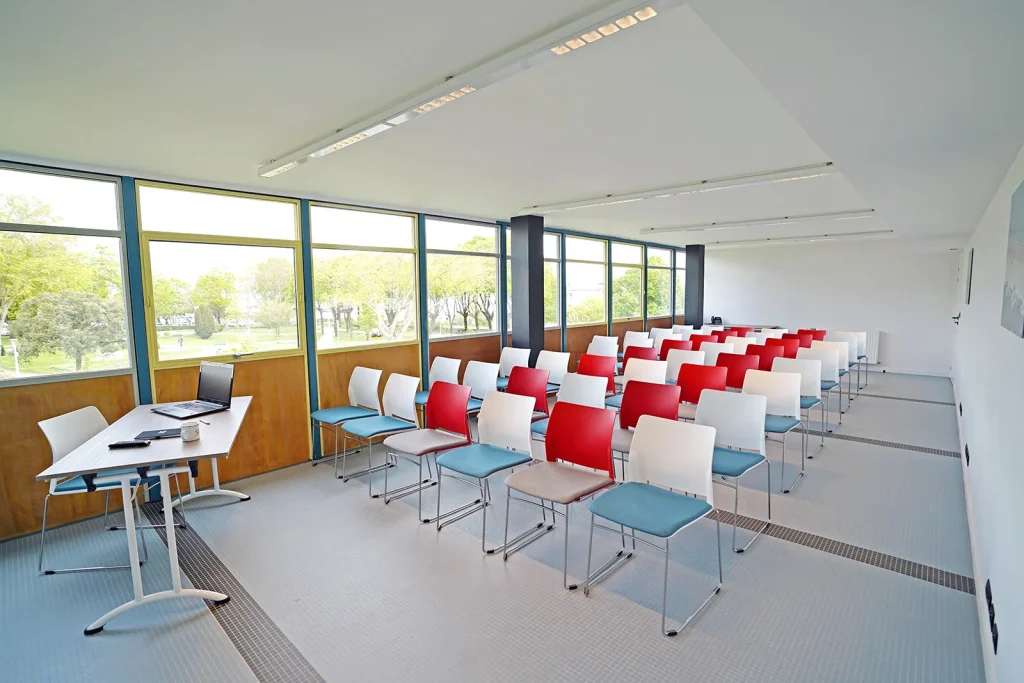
(527, 253)
(695, 285)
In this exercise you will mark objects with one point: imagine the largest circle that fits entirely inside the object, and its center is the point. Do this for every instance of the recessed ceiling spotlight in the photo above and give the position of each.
(626, 21)
(646, 13)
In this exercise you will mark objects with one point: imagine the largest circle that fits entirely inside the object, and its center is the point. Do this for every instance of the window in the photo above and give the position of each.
(462, 278)
(659, 282)
(364, 277)
(62, 304)
(552, 244)
(221, 271)
(680, 283)
(627, 281)
(585, 270)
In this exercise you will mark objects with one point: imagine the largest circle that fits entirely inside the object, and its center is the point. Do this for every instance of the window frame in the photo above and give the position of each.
(642, 267)
(671, 273)
(679, 257)
(606, 245)
(120, 235)
(558, 278)
(498, 305)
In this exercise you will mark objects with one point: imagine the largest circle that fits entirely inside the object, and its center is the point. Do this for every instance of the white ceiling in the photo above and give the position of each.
(920, 109)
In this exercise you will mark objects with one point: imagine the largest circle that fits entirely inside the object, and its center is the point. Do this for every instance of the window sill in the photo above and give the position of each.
(367, 347)
(64, 377)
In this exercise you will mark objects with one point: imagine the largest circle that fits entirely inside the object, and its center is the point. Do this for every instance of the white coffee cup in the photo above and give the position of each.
(190, 431)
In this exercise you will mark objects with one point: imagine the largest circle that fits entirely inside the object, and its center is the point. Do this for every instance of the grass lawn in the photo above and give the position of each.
(53, 363)
(174, 344)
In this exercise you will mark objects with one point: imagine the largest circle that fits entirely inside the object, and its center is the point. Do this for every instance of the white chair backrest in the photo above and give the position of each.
(673, 454)
(828, 358)
(851, 343)
(684, 330)
(654, 371)
(69, 431)
(708, 329)
(841, 349)
(781, 389)
(400, 396)
(504, 420)
(738, 419)
(362, 388)
(555, 362)
(664, 338)
(772, 334)
(604, 346)
(584, 390)
(676, 357)
(739, 344)
(862, 343)
(445, 370)
(757, 337)
(712, 349)
(510, 358)
(481, 378)
(634, 338)
(809, 370)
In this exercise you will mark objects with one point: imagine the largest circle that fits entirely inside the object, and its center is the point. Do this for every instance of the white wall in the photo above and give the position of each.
(879, 286)
(989, 379)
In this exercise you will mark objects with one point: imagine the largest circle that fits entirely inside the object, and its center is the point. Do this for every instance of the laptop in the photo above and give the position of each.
(213, 395)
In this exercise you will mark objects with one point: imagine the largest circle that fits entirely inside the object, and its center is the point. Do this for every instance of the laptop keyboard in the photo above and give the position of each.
(194, 405)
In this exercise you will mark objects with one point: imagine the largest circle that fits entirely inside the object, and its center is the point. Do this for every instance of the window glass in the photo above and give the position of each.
(627, 253)
(582, 249)
(585, 292)
(165, 209)
(29, 198)
(552, 243)
(462, 294)
(658, 291)
(330, 225)
(627, 292)
(680, 291)
(659, 257)
(456, 236)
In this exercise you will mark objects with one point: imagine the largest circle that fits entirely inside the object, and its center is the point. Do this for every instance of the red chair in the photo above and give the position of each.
(698, 339)
(766, 354)
(530, 382)
(692, 380)
(447, 409)
(805, 338)
(817, 335)
(736, 365)
(721, 335)
(638, 352)
(642, 398)
(670, 344)
(598, 366)
(739, 331)
(789, 346)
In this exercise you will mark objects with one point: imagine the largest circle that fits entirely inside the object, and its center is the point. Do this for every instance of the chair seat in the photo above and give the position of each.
(618, 367)
(843, 373)
(808, 402)
(540, 426)
(481, 460)
(687, 411)
(614, 401)
(423, 441)
(619, 355)
(618, 379)
(730, 463)
(557, 482)
(335, 416)
(473, 405)
(622, 439)
(502, 383)
(670, 381)
(861, 356)
(828, 386)
(78, 483)
(649, 509)
(369, 427)
(776, 424)
(421, 397)
(552, 388)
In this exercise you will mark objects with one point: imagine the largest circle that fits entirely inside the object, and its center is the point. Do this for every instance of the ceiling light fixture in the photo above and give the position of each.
(697, 187)
(828, 237)
(778, 220)
(561, 41)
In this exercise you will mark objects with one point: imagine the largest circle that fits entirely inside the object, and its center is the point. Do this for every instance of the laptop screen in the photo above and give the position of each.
(215, 383)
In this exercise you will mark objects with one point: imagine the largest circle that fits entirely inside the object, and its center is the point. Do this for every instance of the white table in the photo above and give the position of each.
(170, 456)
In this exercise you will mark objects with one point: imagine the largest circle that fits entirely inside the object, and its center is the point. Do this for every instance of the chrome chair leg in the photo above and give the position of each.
(782, 476)
(617, 560)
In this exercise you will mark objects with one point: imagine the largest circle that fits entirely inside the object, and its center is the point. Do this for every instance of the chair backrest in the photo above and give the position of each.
(661, 340)
(512, 357)
(530, 382)
(766, 354)
(677, 357)
(698, 339)
(757, 337)
(789, 346)
(69, 431)
(581, 435)
(740, 331)
(504, 421)
(604, 346)
(712, 349)
(708, 329)
(720, 336)
(400, 396)
(736, 366)
(809, 370)
(829, 359)
(848, 337)
(444, 370)
(672, 345)
(641, 352)
(555, 362)
(598, 366)
(647, 398)
(674, 455)
(804, 339)
(446, 408)
(684, 330)
(862, 341)
(633, 337)
(816, 335)
(654, 371)
(657, 333)
(739, 344)
(781, 389)
(738, 419)
(584, 390)
(362, 387)
(481, 378)
(771, 333)
(694, 379)
(841, 349)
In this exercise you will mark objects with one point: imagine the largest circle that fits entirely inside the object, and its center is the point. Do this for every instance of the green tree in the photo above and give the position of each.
(550, 295)
(216, 290)
(589, 310)
(205, 324)
(171, 297)
(274, 280)
(275, 315)
(627, 293)
(27, 210)
(367, 319)
(658, 291)
(390, 286)
(73, 323)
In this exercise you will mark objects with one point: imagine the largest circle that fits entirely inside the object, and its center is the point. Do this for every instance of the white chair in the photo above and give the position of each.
(829, 360)
(860, 354)
(708, 329)
(586, 390)
(653, 371)
(757, 337)
(842, 351)
(738, 420)
(809, 370)
(659, 333)
(556, 363)
(712, 349)
(684, 330)
(441, 370)
(645, 343)
(739, 344)
(772, 333)
(481, 378)
(669, 456)
(363, 401)
(604, 346)
(676, 358)
(661, 339)
(782, 393)
(635, 338)
(851, 359)
(510, 358)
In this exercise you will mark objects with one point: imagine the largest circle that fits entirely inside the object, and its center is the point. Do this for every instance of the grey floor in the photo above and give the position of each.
(365, 592)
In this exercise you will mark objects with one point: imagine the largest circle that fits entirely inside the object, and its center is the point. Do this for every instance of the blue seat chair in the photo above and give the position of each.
(781, 389)
(363, 402)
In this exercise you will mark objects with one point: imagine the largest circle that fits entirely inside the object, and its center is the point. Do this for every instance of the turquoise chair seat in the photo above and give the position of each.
(474, 404)
(421, 397)
(618, 366)
(843, 373)
(729, 463)
(502, 383)
(78, 483)
(619, 355)
(648, 509)
(808, 402)
(369, 427)
(540, 426)
(481, 460)
(861, 356)
(828, 386)
(670, 381)
(335, 416)
(775, 424)
(614, 401)
(553, 387)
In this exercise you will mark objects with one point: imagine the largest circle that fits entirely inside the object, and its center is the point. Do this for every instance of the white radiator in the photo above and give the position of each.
(872, 347)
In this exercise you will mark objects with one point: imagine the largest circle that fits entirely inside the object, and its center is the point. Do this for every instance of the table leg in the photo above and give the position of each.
(215, 491)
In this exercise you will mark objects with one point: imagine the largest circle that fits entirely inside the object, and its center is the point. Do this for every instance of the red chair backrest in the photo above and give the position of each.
(804, 338)
(694, 379)
(598, 366)
(739, 331)
(638, 352)
(529, 382)
(766, 354)
(736, 365)
(816, 335)
(670, 344)
(721, 335)
(646, 398)
(581, 435)
(789, 346)
(698, 339)
(446, 408)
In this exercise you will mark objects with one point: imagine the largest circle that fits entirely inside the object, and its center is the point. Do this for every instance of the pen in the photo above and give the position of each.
(204, 422)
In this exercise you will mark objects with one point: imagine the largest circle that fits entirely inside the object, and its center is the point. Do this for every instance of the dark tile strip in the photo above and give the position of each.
(964, 584)
(263, 646)
(879, 442)
(902, 398)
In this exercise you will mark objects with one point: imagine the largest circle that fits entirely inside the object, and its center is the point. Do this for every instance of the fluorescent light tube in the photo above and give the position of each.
(272, 170)
(828, 237)
(835, 215)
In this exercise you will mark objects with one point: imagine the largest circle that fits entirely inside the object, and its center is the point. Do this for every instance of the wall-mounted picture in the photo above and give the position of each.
(1013, 288)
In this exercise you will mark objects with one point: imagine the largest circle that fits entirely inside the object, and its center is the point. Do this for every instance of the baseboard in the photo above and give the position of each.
(905, 371)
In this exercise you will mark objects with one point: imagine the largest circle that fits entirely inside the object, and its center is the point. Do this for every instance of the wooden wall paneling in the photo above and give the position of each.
(664, 321)
(577, 340)
(25, 452)
(486, 349)
(335, 369)
(619, 329)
